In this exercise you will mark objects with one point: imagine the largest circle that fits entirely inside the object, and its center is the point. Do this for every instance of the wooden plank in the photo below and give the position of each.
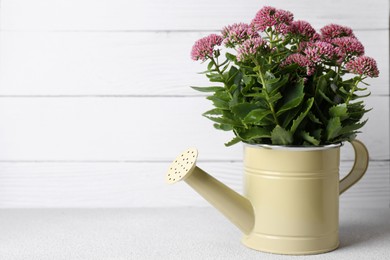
(123, 63)
(109, 15)
(90, 185)
(135, 129)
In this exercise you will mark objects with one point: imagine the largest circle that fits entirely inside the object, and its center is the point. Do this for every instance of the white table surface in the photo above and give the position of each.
(177, 233)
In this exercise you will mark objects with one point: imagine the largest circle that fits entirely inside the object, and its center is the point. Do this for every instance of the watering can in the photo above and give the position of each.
(291, 195)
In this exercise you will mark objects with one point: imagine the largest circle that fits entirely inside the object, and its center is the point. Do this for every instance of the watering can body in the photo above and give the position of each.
(291, 195)
(295, 195)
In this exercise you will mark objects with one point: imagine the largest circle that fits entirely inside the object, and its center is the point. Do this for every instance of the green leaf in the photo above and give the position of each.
(343, 91)
(307, 137)
(231, 57)
(361, 89)
(257, 95)
(302, 115)
(222, 120)
(256, 68)
(317, 133)
(223, 127)
(313, 118)
(215, 111)
(356, 110)
(219, 103)
(254, 133)
(275, 97)
(273, 85)
(324, 96)
(293, 99)
(281, 136)
(210, 65)
(339, 111)
(266, 121)
(233, 88)
(225, 68)
(248, 80)
(333, 128)
(204, 72)
(220, 99)
(256, 115)
(321, 86)
(224, 63)
(242, 109)
(287, 117)
(292, 68)
(269, 76)
(215, 77)
(230, 75)
(347, 137)
(233, 141)
(356, 106)
(351, 128)
(236, 96)
(208, 89)
(354, 96)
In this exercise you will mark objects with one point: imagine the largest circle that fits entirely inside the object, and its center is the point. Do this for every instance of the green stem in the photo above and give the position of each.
(260, 74)
(221, 74)
(216, 66)
(353, 90)
(270, 47)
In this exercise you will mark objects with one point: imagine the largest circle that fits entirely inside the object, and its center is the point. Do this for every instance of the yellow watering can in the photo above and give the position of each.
(291, 199)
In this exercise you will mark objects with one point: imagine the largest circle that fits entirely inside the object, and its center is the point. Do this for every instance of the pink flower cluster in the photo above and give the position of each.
(204, 47)
(304, 29)
(332, 31)
(336, 45)
(301, 60)
(320, 51)
(251, 47)
(348, 46)
(363, 65)
(237, 34)
(271, 17)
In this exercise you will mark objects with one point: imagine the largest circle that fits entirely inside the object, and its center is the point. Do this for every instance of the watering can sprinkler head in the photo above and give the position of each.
(182, 167)
(235, 207)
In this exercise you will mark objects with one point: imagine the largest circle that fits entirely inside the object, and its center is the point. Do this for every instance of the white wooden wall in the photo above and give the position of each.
(95, 99)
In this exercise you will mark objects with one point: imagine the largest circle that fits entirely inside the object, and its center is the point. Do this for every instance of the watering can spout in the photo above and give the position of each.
(234, 206)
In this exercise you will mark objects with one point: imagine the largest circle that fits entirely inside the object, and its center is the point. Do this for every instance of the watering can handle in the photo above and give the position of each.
(359, 167)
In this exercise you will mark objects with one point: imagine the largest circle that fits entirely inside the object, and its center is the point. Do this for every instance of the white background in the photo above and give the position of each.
(95, 99)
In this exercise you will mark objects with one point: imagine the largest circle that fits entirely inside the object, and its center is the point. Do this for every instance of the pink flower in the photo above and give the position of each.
(204, 47)
(301, 60)
(237, 34)
(363, 65)
(304, 29)
(303, 45)
(348, 46)
(332, 31)
(320, 51)
(271, 17)
(251, 47)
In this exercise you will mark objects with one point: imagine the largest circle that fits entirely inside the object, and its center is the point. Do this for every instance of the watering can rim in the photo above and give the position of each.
(295, 148)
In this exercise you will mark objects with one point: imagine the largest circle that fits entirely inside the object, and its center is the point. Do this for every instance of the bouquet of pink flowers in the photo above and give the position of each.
(283, 83)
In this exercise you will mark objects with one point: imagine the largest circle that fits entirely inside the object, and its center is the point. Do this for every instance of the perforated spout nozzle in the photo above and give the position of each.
(182, 166)
(235, 207)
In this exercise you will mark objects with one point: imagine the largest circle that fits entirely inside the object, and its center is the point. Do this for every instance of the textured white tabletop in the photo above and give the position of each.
(177, 233)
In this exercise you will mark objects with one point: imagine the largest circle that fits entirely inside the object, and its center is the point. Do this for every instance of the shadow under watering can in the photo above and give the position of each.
(291, 195)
